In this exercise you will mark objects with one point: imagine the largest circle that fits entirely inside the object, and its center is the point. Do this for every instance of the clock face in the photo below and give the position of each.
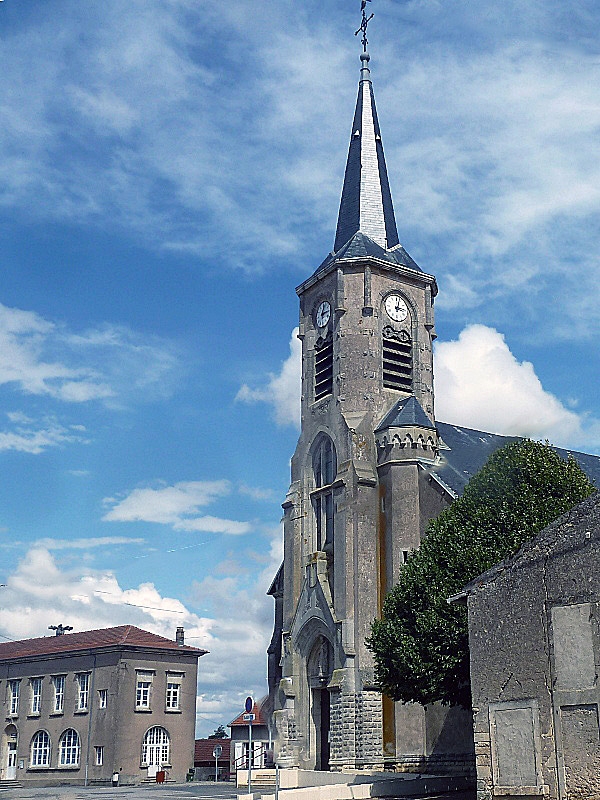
(323, 314)
(396, 307)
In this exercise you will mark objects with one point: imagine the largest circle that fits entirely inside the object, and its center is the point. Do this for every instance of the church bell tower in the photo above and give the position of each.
(361, 492)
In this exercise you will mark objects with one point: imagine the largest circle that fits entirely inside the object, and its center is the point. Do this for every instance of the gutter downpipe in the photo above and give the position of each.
(89, 734)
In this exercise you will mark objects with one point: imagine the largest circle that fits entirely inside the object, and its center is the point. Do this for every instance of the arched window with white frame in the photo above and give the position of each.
(69, 748)
(156, 747)
(40, 750)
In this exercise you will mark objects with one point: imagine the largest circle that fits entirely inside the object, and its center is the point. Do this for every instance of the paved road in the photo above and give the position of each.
(175, 791)
(180, 791)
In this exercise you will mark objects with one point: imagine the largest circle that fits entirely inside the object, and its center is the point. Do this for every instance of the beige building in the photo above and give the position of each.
(81, 707)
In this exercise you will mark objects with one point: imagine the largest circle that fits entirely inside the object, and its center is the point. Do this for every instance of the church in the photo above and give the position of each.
(371, 468)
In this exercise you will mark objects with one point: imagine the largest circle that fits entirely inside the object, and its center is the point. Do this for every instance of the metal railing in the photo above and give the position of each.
(262, 757)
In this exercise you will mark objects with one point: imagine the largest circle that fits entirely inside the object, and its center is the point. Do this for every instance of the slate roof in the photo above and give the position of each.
(203, 751)
(122, 636)
(366, 203)
(362, 246)
(407, 411)
(468, 450)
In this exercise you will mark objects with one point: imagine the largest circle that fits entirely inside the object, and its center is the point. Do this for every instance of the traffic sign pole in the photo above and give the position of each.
(249, 755)
(249, 716)
(217, 752)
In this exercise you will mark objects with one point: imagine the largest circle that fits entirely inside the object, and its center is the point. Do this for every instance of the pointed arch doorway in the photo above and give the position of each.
(319, 668)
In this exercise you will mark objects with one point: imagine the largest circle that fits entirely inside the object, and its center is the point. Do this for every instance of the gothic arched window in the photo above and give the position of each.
(324, 465)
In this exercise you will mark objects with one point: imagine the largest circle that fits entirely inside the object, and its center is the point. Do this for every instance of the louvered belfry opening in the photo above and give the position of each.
(324, 366)
(397, 360)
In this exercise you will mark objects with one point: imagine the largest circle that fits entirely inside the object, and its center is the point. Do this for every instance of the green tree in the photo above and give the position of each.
(219, 733)
(421, 643)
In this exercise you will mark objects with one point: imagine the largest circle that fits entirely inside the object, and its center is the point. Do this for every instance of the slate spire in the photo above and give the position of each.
(366, 204)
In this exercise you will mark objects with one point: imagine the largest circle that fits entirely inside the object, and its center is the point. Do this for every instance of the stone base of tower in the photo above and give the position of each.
(356, 733)
(436, 740)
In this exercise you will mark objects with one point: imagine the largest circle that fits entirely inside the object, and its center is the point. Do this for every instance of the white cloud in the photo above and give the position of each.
(256, 493)
(283, 389)
(176, 505)
(213, 525)
(112, 363)
(85, 544)
(23, 337)
(38, 593)
(480, 384)
(30, 436)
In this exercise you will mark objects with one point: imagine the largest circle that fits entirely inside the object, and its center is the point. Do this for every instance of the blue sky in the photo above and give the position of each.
(170, 172)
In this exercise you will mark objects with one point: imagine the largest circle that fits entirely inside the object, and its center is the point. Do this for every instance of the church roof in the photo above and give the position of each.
(366, 223)
(406, 412)
(366, 203)
(360, 245)
(464, 451)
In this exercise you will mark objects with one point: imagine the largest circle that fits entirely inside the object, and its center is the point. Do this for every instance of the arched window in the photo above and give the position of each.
(324, 465)
(156, 747)
(40, 750)
(69, 749)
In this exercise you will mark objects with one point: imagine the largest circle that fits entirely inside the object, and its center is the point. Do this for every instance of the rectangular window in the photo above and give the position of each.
(59, 693)
(173, 694)
(102, 698)
(36, 695)
(324, 370)
(397, 364)
(13, 701)
(99, 753)
(142, 690)
(83, 681)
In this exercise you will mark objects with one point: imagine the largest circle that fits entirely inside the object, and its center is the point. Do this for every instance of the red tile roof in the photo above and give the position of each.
(259, 719)
(203, 751)
(121, 636)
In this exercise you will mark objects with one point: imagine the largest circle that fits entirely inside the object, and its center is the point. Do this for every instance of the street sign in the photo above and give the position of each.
(249, 717)
(218, 751)
(249, 704)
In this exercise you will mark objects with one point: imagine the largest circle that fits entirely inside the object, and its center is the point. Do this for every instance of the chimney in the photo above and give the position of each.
(179, 637)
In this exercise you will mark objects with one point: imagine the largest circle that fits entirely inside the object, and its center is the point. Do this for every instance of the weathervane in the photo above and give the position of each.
(364, 24)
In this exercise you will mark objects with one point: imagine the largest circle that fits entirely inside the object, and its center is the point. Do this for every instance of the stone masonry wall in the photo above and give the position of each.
(356, 729)
(369, 749)
(342, 728)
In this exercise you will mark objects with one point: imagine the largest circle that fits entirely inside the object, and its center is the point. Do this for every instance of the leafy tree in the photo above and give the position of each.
(421, 643)
(219, 733)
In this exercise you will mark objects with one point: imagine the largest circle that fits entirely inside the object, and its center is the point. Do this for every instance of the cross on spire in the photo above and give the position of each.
(364, 24)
